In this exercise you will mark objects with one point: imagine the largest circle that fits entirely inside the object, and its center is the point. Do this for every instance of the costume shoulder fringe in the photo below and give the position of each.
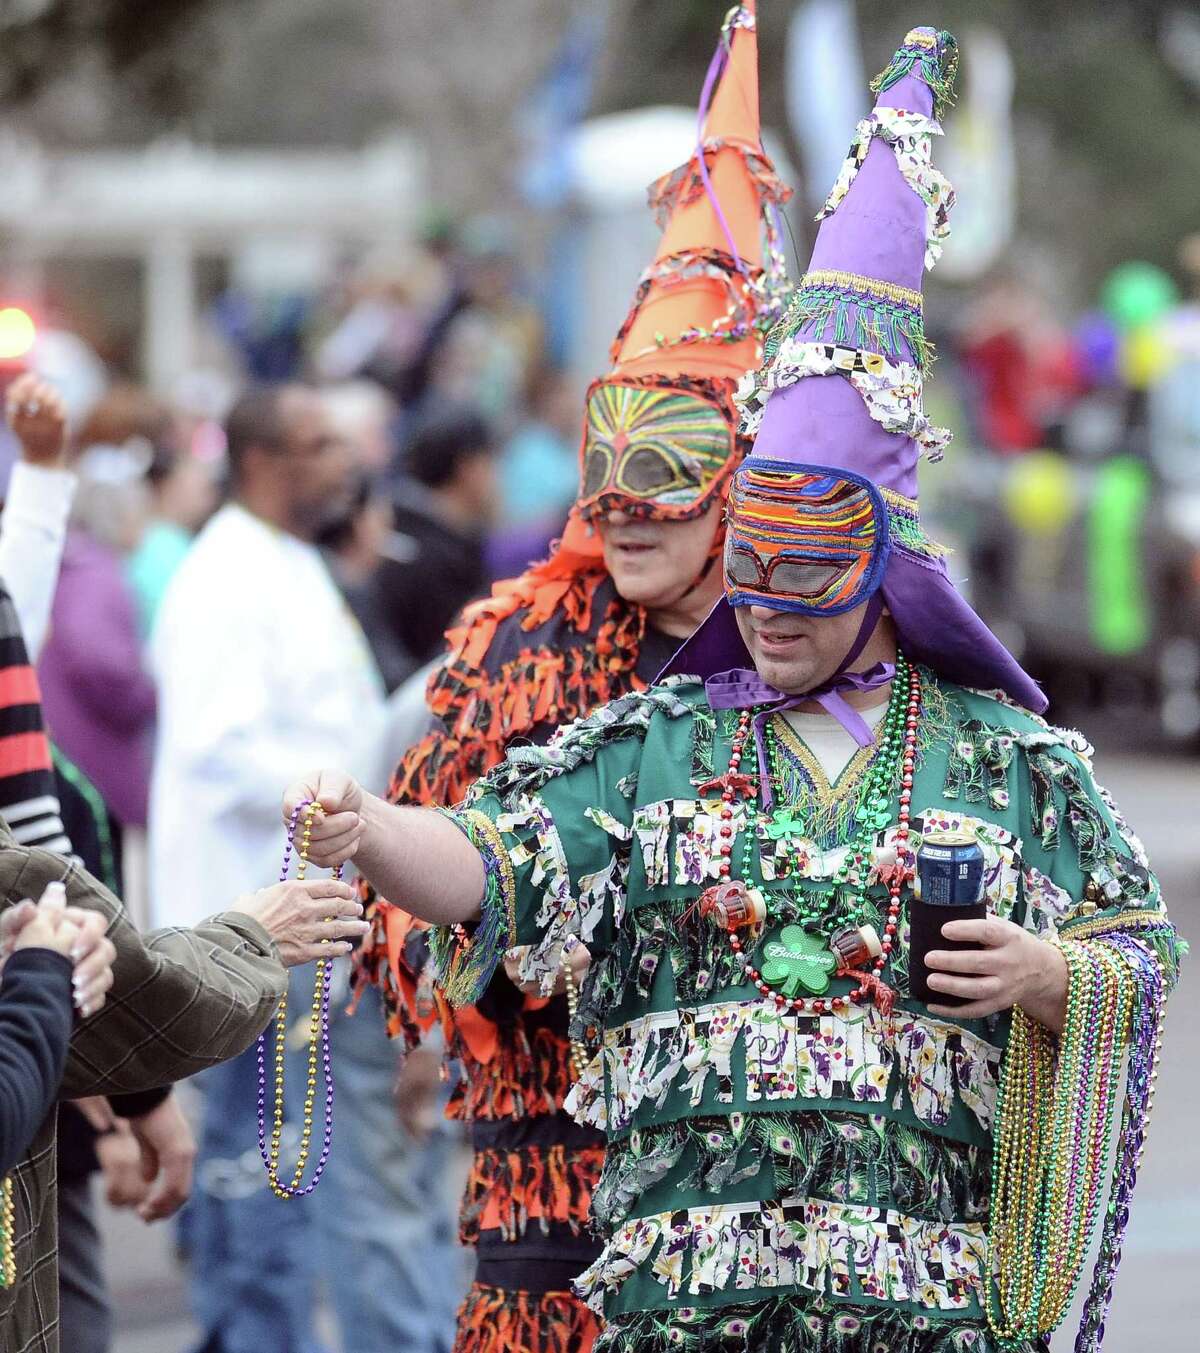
(526, 769)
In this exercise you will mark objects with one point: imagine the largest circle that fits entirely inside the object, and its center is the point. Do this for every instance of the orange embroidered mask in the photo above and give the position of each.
(653, 451)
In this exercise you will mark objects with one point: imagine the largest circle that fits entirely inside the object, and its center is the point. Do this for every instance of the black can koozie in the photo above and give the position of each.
(948, 887)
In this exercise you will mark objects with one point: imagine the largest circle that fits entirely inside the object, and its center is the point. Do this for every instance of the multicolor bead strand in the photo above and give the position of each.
(318, 1051)
(837, 910)
(1144, 1054)
(8, 1239)
(1054, 1116)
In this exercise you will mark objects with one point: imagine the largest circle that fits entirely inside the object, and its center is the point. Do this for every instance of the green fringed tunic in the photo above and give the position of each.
(778, 1183)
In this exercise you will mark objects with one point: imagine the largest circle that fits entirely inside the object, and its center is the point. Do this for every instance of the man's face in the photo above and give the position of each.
(655, 563)
(794, 652)
(316, 463)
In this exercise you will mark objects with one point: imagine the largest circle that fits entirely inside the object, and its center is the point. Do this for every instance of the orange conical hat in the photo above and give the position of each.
(700, 310)
(698, 303)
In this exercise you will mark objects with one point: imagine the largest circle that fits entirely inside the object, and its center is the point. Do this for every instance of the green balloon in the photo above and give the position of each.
(1136, 294)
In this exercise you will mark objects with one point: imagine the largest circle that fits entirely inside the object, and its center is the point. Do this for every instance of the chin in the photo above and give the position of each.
(638, 591)
(791, 678)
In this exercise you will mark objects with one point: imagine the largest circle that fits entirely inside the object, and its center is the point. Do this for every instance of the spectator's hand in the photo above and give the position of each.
(12, 921)
(417, 1088)
(338, 827)
(120, 1157)
(49, 926)
(314, 919)
(168, 1151)
(38, 418)
(94, 954)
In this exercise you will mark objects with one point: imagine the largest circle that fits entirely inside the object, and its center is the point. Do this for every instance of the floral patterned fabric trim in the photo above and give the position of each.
(465, 967)
(891, 391)
(849, 1056)
(754, 298)
(979, 766)
(533, 1186)
(910, 137)
(798, 1323)
(848, 1157)
(826, 1247)
(493, 1320)
(702, 962)
(564, 911)
(676, 842)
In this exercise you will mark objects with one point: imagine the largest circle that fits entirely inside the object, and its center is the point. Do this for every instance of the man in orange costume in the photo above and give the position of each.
(636, 571)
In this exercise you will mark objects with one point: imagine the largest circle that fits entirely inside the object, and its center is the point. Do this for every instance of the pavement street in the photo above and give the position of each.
(1157, 1300)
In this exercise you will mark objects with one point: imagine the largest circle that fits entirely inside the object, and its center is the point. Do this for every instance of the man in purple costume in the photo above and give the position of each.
(804, 1156)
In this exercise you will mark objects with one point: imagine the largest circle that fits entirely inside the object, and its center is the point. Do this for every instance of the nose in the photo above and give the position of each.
(764, 612)
(616, 517)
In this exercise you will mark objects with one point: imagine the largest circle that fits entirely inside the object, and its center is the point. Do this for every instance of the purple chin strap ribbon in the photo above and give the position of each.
(743, 688)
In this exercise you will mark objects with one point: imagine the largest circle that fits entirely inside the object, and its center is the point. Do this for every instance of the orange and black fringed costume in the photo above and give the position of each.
(660, 441)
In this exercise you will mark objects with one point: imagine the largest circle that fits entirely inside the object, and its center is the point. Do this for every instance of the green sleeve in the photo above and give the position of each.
(1086, 848)
(553, 828)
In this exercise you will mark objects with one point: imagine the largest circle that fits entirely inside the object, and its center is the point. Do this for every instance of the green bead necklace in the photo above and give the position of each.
(822, 911)
(799, 956)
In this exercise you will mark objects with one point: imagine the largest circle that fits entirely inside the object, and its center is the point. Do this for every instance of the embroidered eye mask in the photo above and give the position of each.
(801, 538)
(652, 452)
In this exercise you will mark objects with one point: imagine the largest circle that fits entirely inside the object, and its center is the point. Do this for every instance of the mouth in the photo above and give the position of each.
(633, 549)
(779, 643)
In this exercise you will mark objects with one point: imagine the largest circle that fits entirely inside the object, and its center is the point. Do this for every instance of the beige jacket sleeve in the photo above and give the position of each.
(181, 1000)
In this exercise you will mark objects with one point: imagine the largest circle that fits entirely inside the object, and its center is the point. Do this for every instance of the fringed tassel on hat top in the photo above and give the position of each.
(935, 55)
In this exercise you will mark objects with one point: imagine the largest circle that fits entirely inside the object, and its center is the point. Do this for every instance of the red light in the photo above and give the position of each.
(17, 333)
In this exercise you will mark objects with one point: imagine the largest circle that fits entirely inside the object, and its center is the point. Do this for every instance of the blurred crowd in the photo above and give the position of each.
(1030, 372)
(457, 440)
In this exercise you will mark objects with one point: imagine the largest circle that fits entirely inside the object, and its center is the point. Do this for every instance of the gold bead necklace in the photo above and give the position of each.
(318, 1052)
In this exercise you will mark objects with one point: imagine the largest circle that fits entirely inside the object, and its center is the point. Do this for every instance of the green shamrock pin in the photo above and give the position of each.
(784, 822)
(797, 959)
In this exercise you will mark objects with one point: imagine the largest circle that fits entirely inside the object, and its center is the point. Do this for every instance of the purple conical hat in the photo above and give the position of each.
(839, 398)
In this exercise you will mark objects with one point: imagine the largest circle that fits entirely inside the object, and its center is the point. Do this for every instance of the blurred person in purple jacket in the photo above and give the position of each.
(98, 699)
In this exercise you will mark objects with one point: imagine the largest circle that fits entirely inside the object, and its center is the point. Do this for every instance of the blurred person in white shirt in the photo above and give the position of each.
(262, 671)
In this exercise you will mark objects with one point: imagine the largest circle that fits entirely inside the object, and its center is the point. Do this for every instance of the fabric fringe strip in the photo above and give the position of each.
(533, 1186)
(524, 1078)
(492, 1320)
(787, 1324)
(849, 1157)
(860, 315)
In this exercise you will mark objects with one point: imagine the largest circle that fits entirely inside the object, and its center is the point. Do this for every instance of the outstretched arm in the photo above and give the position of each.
(414, 856)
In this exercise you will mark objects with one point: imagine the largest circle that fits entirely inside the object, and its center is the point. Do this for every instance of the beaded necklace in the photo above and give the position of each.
(831, 937)
(8, 1240)
(318, 1046)
(1054, 1113)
